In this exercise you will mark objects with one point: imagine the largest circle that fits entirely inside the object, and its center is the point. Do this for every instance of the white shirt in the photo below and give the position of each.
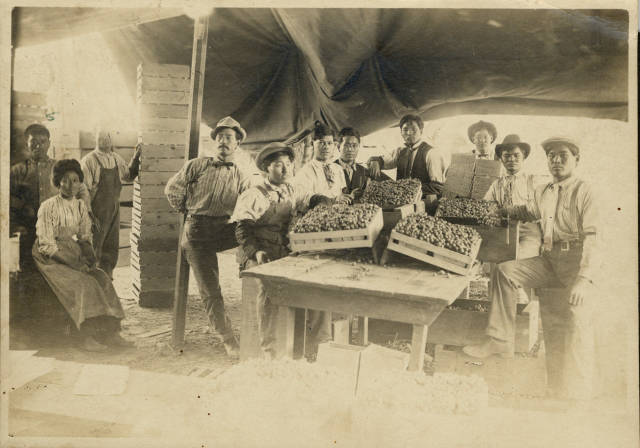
(312, 179)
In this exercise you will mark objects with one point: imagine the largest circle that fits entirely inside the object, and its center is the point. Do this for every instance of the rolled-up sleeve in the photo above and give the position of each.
(589, 217)
(48, 222)
(91, 176)
(388, 160)
(437, 165)
(176, 188)
(252, 204)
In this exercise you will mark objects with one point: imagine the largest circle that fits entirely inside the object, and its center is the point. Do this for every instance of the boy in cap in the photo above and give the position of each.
(206, 190)
(263, 214)
(482, 134)
(415, 160)
(568, 213)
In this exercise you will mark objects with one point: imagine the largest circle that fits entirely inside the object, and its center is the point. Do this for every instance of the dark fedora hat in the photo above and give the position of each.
(511, 141)
(475, 127)
(272, 148)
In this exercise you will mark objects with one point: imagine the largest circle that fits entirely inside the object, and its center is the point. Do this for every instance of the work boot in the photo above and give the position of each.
(490, 346)
(232, 347)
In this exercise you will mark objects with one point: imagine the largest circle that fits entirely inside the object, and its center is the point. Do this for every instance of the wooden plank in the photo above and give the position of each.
(163, 151)
(28, 98)
(157, 178)
(143, 243)
(155, 204)
(341, 331)
(168, 270)
(149, 191)
(163, 110)
(151, 217)
(154, 298)
(154, 283)
(418, 346)
(164, 83)
(153, 258)
(359, 304)
(163, 124)
(300, 333)
(436, 261)
(163, 70)
(162, 138)
(284, 330)
(150, 164)
(249, 340)
(163, 97)
(166, 230)
(435, 249)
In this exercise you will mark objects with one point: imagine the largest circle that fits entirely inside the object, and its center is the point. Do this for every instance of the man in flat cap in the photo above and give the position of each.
(206, 189)
(415, 160)
(568, 212)
(482, 134)
(263, 215)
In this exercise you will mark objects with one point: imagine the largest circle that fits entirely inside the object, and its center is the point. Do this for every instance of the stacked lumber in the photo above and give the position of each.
(163, 98)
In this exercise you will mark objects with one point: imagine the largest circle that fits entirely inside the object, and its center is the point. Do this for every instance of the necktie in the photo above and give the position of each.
(508, 192)
(409, 160)
(549, 208)
(348, 168)
(328, 174)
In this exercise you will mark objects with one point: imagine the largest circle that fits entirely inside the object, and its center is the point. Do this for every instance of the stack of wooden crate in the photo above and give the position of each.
(163, 98)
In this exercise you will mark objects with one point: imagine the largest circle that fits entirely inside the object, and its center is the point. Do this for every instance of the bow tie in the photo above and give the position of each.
(218, 163)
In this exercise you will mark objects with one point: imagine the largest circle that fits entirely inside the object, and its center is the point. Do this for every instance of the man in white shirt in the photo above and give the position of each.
(415, 160)
(104, 170)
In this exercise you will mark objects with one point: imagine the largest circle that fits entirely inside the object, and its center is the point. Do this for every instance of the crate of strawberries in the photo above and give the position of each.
(440, 243)
(499, 236)
(337, 226)
(397, 198)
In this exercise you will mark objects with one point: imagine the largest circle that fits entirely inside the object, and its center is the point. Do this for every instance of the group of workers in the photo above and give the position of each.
(73, 240)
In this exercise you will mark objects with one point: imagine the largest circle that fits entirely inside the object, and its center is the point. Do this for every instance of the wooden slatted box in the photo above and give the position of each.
(434, 255)
(338, 239)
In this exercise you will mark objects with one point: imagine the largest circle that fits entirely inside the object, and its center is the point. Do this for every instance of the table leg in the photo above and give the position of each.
(418, 347)
(363, 330)
(249, 338)
(285, 330)
(300, 333)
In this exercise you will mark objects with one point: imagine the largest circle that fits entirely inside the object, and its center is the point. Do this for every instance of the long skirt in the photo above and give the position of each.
(84, 295)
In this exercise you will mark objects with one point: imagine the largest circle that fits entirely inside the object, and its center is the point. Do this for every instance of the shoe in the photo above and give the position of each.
(115, 340)
(489, 347)
(232, 347)
(91, 345)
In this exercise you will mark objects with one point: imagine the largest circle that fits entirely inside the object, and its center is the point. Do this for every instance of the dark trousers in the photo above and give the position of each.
(568, 329)
(203, 238)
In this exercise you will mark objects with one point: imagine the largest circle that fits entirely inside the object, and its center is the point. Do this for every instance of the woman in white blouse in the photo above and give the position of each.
(64, 255)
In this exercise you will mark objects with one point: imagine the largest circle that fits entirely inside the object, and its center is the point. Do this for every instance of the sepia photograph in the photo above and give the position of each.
(337, 224)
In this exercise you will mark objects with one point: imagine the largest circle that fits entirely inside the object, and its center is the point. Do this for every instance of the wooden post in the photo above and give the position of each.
(198, 64)
(418, 346)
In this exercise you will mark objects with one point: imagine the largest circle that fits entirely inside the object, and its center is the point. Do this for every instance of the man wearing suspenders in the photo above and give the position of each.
(568, 213)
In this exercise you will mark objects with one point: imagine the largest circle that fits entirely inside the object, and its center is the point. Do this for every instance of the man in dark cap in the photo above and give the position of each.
(415, 160)
(482, 134)
(206, 189)
(568, 212)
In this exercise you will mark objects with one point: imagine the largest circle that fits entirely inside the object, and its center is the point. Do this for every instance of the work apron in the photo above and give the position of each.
(84, 295)
(106, 208)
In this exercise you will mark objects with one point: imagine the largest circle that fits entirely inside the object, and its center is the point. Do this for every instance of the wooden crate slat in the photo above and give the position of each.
(154, 165)
(163, 151)
(164, 83)
(155, 217)
(164, 97)
(156, 232)
(149, 191)
(163, 124)
(154, 283)
(166, 70)
(155, 178)
(162, 138)
(153, 258)
(432, 248)
(143, 243)
(177, 111)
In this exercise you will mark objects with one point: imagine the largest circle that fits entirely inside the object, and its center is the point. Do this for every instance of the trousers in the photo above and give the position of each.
(568, 329)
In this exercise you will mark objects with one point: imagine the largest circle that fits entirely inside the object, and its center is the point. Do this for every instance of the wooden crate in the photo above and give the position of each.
(153, 258)
(392, 216)
(437, 256)
(338, 239)
(154, 298)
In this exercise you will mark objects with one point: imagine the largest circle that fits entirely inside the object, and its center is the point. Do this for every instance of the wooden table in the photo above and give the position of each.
(409, 291)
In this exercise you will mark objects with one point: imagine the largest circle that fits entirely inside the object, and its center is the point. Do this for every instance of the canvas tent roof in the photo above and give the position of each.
(278, 70)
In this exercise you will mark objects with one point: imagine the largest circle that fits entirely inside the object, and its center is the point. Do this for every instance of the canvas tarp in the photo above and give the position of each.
(278, 70)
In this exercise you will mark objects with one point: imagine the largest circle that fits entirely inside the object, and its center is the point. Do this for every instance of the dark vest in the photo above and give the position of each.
(419, 169)
(359, 178)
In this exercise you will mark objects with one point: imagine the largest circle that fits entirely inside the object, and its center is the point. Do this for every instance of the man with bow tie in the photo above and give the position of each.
(206, 189)
(517, 188)
(568, 213)
(356, 175)
(416, 159)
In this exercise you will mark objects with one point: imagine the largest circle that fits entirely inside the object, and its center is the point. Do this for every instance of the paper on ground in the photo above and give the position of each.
(24, 367)
(101, 379)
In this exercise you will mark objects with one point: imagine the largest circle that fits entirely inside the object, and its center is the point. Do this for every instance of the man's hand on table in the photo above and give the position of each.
(261, 257)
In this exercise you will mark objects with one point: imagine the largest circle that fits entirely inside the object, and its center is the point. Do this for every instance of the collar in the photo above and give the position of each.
(271, 186)
(519, 174)
(566, 182)
(318, 164)
(344, 164)
(414, 146)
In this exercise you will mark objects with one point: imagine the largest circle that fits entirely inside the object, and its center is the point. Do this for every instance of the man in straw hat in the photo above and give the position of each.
(568, 213)
(263, 214)
(206, 189)
(482, 134)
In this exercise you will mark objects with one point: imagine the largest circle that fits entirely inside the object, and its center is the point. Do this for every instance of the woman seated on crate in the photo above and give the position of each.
(263, 214)
(63, 253)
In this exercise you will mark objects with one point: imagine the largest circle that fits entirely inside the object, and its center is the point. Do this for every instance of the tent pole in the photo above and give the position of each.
(198, 63)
